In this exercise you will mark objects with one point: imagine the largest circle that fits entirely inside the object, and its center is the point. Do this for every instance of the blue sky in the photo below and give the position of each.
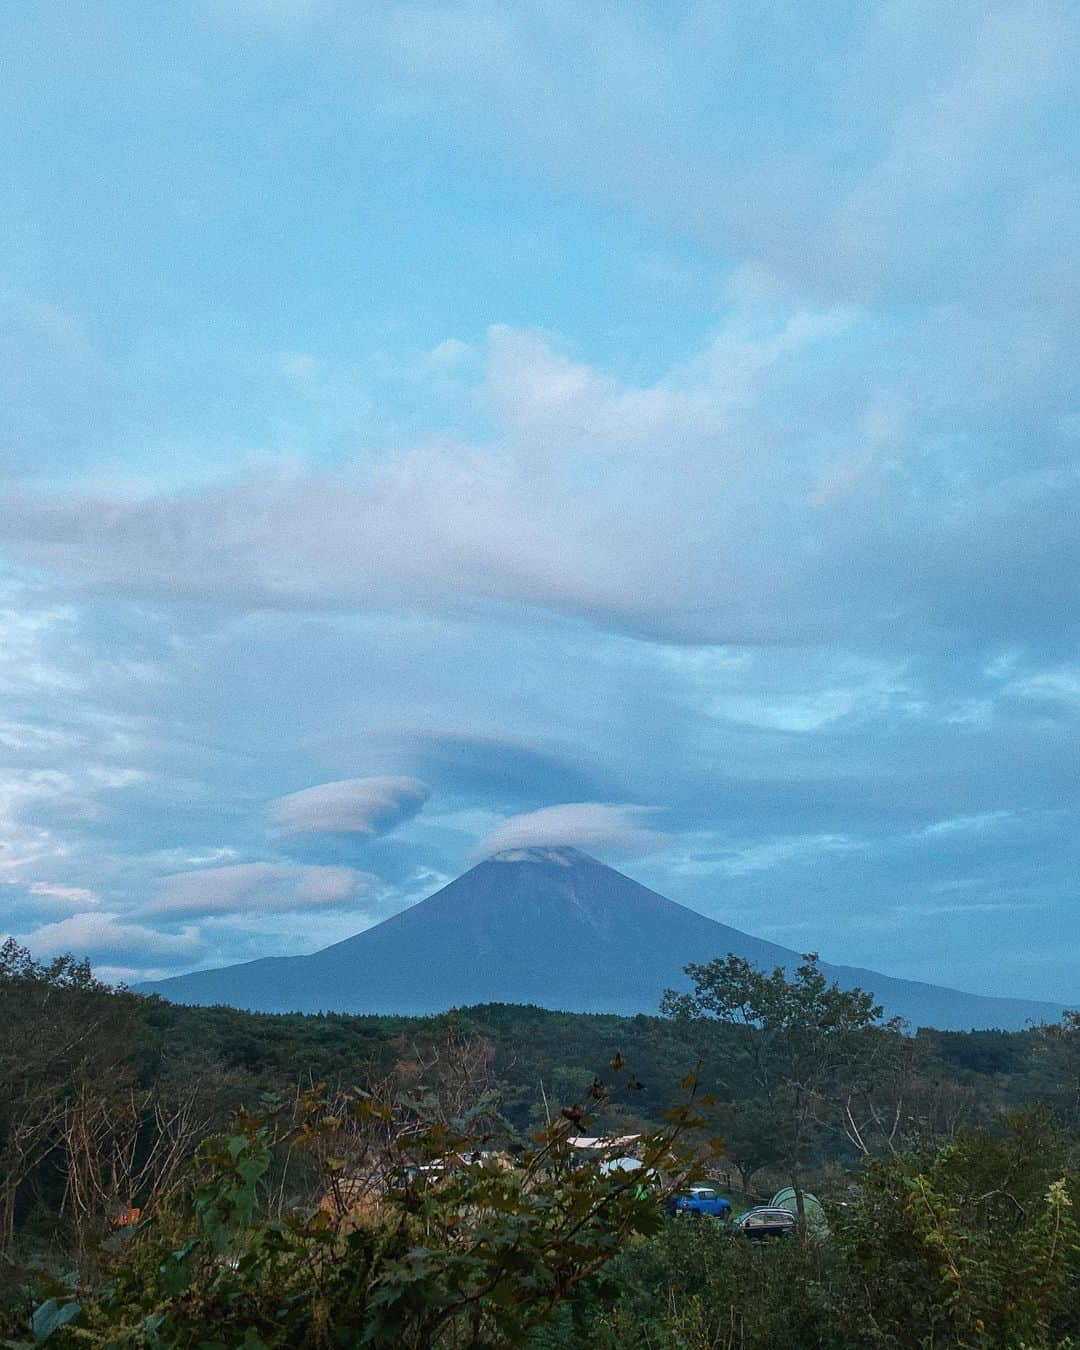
(428, 427)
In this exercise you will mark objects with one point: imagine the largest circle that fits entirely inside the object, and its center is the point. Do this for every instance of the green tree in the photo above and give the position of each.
(1063, 1041)
(972, 1244)
(803, 1041)
(753, 1137)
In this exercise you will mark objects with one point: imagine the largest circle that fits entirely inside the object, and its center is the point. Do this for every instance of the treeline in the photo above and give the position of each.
(309, 1155)
(539, 1051)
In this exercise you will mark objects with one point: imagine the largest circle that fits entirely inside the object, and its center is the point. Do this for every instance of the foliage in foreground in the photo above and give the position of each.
(449, 1246)
(973, 1245)
(943, 1234)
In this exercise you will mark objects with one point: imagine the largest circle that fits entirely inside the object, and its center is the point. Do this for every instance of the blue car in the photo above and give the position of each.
(698, 1200)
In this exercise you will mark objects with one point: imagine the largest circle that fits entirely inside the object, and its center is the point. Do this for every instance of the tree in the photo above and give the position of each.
(124, 1150)
(57, 1025)
(1063, 1041)
(803, 1041)
(753, 1138)
(971, 1244)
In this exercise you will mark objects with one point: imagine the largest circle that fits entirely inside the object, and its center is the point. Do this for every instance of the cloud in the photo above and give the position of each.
(928, 156)
(806, 507)
(824, 461)
(779, 852)
(365, 806)
(986, 820)
(111, 936)
(585, 825)
(493, 764)
(73, 896)
(255, 889)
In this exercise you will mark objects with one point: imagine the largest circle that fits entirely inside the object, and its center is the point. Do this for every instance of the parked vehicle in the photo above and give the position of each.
(696, 1201)
(764, 1221)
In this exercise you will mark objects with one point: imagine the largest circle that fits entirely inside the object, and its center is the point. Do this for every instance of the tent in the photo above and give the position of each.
(812, 1210)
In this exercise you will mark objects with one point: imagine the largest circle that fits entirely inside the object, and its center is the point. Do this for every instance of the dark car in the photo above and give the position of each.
(765, 1221)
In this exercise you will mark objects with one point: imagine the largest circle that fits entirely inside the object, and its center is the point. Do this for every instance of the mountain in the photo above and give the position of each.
(552, 927)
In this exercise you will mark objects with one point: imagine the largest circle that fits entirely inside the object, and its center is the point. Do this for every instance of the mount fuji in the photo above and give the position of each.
(554, 927)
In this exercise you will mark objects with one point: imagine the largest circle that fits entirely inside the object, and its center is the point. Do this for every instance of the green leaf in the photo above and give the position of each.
(175, 1272)
(251, 1169)
(51, 1316)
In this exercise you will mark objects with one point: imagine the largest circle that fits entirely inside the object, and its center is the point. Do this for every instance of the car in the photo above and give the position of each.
(697, 1201)
(764, 1221)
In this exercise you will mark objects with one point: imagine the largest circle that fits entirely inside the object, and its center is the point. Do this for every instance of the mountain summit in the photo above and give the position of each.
(550, 926)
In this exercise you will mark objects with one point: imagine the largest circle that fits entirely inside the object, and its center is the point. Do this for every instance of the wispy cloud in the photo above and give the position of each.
(255, 889)
(980, 823)
(74, 897)
(802, 849)
(833, 534)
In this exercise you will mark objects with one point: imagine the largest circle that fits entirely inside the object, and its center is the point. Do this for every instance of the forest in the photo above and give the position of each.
(182, 1176)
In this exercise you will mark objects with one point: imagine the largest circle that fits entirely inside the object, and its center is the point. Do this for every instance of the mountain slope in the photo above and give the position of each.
(547, 926)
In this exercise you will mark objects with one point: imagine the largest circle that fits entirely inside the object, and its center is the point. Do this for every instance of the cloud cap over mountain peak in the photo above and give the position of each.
(576, 825)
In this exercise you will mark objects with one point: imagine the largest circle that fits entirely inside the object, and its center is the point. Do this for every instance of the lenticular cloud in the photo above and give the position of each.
(586, 825)
(365, 806)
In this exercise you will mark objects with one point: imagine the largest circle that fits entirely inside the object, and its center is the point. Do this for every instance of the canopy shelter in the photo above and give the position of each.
(600, 1144)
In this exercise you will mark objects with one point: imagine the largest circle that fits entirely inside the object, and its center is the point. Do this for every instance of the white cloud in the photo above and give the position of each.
(792, 517)
(74, 896)
(974, 824)
(533, 388)
(756, 689)
(1062, 684)
(451, 352)
(254, 889)
(366, 806)
(874, 181)
(110, 936)
(780, 852)
(585, 825)
(954, 138)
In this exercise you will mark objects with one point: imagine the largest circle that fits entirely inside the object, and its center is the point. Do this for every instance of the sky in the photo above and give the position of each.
(434, 428)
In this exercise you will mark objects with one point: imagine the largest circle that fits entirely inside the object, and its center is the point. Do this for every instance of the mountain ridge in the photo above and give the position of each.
(554, 927)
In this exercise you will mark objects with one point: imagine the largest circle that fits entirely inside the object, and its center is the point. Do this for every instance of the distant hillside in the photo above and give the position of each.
(552, 927)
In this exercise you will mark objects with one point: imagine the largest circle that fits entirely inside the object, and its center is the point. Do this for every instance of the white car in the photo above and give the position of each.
(766, 1221)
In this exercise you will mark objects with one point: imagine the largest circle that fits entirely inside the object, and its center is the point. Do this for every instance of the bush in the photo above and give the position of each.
(467, 1249)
